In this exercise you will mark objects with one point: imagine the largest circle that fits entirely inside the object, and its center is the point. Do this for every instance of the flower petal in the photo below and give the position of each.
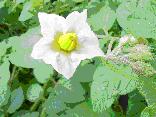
(87, 37)
(51, 23)
(62, 64)
(41, 48)
(76, 20)
(87, 52)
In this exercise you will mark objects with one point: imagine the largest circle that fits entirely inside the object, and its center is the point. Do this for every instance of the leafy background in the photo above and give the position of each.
(121, 85)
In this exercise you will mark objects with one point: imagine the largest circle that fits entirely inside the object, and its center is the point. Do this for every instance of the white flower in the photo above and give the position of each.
(65, 42)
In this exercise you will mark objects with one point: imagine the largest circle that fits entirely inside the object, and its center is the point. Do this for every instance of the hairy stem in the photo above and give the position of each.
(14, 74)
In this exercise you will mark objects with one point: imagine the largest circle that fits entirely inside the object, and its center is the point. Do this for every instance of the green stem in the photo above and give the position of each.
(43, 113)
(35, 105)
(14, 74)
(106, 32)
(110, 46)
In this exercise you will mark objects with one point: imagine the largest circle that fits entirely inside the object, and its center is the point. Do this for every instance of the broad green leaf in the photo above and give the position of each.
(26, 40)
(136, 103)
(104, 18)
(17, 99)
(136, 18)
(149, 111)
(70, 91)
(25, 14)
(4, 72)
(25, 113)
(4, 94)
(84, 73)
(124, 10)
(4, 78)
(108, 84)
(83, 110)
(34, 92)
(29, 9)
(31, 114)
(2, 114)
(43, 72)
(22, 57)
(14, 5)
(54, 104)
(147, 88)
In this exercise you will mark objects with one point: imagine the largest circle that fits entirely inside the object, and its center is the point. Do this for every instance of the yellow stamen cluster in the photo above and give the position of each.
(68, 41)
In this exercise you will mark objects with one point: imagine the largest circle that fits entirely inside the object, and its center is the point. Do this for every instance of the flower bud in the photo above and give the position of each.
(142, 68)
(125, 39)
(140, 52)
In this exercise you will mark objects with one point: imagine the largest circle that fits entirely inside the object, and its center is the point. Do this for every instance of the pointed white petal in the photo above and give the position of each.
(76, 20)
(86, 37)
(62, 64)
(87, 52)
(41, 48)
(89, 44)
(51, 23)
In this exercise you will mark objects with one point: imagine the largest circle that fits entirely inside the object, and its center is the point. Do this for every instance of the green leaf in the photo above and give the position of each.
(31, 114)
(54, 104)
(84, 73)
(14, 5)
(26, 40)
(136, 103)
(43, 72)
(149, 111)
(22, 57)
(136, 18)
(34, 92)
(124, 10)
(17, 99)
(83, 110)
(147, 88)
(25, 14)
(104, 18)
(4, 94)
(2, 3)
(108, 84)
(2, 115)
(4, 72)
(25, 113)
(70, 91)
(4, 78)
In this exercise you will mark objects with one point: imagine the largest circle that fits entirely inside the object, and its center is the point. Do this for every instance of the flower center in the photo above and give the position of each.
(68, 41)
